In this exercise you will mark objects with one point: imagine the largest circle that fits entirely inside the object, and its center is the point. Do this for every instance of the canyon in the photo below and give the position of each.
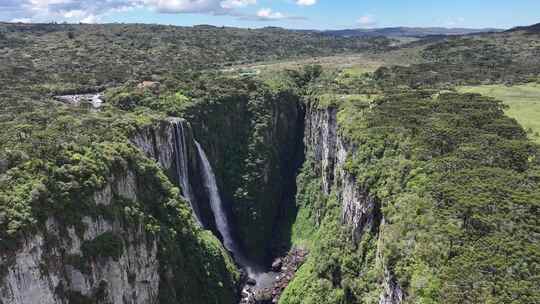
(142, 164)
(134, 275)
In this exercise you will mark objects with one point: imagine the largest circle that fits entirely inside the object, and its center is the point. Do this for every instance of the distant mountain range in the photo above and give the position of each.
(535, 28)
(398, 32)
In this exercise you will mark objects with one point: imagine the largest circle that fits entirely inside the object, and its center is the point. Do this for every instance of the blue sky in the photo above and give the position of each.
(302, 14)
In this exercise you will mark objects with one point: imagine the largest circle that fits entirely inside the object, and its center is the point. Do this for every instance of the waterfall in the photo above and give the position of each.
(181, 158)
(220, 215)
(216, 205)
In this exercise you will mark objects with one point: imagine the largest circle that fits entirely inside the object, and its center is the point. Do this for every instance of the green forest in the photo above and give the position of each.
(442, 150)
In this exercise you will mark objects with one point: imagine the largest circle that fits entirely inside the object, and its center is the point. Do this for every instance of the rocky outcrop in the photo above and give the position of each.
(283, 272)
(286, 268)
(358, 206)
(254, 144)
(320, 140)
(162, 142)
(359, 210)
(157, 142)
(392, 292)
(128, 244)
(329, 152)
(52, 266)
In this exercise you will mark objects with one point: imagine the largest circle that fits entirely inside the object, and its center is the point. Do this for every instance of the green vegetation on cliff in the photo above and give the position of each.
(251, 131)
(338, 269)
(458, 187)
(455, 183)
(105, 245)
(53, 160)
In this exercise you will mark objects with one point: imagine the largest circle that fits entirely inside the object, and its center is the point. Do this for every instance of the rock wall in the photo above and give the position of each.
(254, 145)
(50, 266)
(329, 152)
(157, 142)
(206, 260)
(359, 210)
(110, 256)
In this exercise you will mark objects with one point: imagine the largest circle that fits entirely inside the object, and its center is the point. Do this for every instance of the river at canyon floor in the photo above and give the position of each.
(267, 287)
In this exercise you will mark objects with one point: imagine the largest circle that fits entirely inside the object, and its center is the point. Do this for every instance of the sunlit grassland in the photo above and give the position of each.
(329, 100)
(523, 102)
(355, 62)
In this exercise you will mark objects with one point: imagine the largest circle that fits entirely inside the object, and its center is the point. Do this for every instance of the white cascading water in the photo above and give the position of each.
(181, 158)
(264, 280)
(222, 223)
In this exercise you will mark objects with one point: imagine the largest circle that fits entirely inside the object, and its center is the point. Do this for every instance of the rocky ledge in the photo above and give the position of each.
(283, 269)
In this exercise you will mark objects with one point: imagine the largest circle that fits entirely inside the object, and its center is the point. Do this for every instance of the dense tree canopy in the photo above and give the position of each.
(455, 181)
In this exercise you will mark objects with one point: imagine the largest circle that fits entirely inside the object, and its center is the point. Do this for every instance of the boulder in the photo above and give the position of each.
(276, 265)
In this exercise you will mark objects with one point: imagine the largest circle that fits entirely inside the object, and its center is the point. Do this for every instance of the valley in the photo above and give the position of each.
(215, 169)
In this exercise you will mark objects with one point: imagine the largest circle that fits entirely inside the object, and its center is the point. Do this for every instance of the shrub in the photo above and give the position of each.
(106, 245)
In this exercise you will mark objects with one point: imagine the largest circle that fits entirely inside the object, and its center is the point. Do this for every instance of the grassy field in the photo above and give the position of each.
(326, 100)
(524, 102)
(352, 62)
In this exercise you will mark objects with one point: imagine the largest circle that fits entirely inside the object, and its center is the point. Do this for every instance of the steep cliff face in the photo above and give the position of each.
(161, 142)
(171, 144)
(135, 241)
(392, 292)
(254, 145)
(157, 142)
(390, 198)
(56, 265)
(327, 152)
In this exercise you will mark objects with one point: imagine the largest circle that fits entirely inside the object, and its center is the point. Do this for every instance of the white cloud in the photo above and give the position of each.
(43, 4)
(90, 19)
(65, 10)
(77, 14)
(21, 20)
(230, 4)
(196, 6)
(306, 2)
(185, 6)
(367, 21)
(269, 14)
(90, 11)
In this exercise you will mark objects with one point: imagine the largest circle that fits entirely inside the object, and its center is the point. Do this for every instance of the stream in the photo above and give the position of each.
(259, 280)
(95, 100)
